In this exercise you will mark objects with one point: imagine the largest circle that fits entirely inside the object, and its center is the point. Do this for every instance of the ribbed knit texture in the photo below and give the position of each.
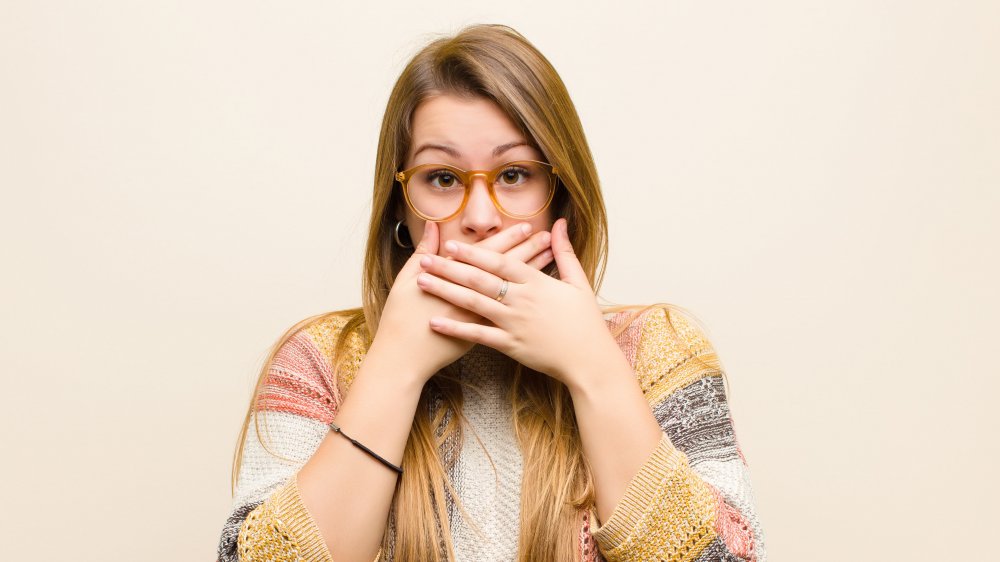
(690, 501)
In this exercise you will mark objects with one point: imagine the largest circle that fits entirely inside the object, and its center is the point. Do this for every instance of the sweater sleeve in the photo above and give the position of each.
(268, 520)
(692, 499)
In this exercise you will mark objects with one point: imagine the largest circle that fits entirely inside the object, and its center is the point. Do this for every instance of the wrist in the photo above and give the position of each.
(605, 365)
(389, 364)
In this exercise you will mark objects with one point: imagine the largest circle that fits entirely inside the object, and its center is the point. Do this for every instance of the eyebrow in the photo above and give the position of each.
(450, 150)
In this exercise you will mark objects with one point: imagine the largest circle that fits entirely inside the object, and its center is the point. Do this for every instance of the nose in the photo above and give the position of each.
(480, 218)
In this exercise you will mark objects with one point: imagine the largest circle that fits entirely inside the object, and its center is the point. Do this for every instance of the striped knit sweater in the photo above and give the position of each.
(691, 501)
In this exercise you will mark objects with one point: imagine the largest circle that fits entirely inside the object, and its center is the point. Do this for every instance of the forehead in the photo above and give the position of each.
(474, 127)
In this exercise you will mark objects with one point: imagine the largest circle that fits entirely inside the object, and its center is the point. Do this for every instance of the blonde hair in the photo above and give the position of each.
(497, 63)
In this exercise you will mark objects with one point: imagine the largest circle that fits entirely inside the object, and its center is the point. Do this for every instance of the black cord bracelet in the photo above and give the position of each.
(358, 444)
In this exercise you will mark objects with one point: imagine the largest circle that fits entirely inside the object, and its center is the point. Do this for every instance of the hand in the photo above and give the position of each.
(553, 326)
(404, 330)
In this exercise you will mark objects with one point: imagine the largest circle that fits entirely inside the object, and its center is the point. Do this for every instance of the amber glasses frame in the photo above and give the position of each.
(466, 177)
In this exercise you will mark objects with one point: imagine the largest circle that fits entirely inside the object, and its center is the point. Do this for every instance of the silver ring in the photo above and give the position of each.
(503, 290)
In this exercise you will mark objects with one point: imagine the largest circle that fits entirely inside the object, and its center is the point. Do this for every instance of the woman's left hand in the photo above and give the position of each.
(551, 325)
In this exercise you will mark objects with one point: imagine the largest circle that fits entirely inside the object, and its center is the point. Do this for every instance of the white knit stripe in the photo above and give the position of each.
(289, 435)
(732, 479)
(492, 499)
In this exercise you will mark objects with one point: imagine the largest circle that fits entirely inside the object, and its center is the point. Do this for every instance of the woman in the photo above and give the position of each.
(481, 405)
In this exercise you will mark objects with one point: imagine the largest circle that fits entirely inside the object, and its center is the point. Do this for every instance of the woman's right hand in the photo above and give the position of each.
(404, 337)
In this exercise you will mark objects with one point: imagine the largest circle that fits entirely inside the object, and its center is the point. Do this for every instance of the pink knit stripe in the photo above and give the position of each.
(734, 529)
(299, 381)
(587, 546)
(629, 339)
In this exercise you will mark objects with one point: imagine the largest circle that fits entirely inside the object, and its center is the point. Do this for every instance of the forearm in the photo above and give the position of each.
(348, 492)
(617, 427)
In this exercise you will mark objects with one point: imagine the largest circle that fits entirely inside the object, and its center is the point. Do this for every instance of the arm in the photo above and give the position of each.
(617, 428)
(309, 506)
(670, 480)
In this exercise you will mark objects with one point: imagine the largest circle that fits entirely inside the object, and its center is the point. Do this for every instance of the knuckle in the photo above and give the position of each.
(475, 283)
(469, 302)
(538, 244)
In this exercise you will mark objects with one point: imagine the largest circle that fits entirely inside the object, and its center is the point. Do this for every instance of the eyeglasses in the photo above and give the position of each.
(438, 192)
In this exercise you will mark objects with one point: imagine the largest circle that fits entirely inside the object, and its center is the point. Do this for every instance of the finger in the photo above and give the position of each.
(487, 260)
(534, 245)
(463, 274)
(463, 297)
(477, 333)
(570, 269)
(507, 238)
(541, 260)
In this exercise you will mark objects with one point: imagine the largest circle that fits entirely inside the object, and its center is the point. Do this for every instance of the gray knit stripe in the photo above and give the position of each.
(230, 532)
(696, 419)
(716, 551)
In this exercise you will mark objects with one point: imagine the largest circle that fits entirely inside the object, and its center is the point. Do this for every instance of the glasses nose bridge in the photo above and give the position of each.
(485, 174)
(471, 176)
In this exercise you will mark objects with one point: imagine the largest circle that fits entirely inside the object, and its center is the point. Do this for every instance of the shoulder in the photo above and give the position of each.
(338, 338)
(315, 360)
(666, 345)
(336, 335)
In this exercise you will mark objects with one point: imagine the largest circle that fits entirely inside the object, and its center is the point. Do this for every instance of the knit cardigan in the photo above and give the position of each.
(691, 500)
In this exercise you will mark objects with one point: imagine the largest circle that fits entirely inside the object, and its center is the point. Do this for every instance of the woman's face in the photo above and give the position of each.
(464, 133)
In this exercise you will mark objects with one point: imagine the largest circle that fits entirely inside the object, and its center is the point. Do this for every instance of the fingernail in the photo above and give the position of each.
(526, 228)
(426, 261)
(451, 246)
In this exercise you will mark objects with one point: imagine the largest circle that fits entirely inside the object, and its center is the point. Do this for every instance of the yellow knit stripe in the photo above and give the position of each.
(281, 529)
(324, 334)
(300, 522)
(667, 512)
(672, 353)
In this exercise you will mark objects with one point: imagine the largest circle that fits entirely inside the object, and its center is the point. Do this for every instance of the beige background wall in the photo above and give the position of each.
(818, 181)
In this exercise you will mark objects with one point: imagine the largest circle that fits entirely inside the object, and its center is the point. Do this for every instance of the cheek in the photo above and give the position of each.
(416, 231)
(541, 222)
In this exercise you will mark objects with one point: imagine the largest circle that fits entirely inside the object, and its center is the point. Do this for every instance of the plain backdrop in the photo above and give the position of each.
(818, 182)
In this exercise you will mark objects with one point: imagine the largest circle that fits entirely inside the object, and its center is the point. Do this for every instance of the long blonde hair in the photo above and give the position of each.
(495, 62)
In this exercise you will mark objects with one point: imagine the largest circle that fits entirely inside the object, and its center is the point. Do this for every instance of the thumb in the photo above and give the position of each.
(569, 267)
(430, 239)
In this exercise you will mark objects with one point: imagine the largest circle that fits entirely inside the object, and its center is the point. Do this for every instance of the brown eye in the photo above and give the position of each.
(514, 176)
(442, 179)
